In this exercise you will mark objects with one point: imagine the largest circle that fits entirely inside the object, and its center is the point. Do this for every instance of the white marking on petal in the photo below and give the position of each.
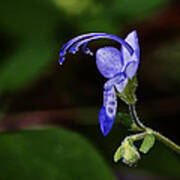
(110, 102)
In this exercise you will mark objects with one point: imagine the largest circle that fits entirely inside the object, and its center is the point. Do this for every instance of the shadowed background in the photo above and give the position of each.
(49, 113)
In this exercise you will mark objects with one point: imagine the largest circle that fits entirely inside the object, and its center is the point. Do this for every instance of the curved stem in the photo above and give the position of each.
(166, 141)
(159, 136)
(135, 118)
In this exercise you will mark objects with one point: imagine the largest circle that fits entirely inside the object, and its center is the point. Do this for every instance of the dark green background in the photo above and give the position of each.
(49, 113)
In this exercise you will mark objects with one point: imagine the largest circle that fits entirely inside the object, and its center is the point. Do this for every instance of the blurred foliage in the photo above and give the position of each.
(125, 119)
(50, 154)
(167, 57)
(32, 24)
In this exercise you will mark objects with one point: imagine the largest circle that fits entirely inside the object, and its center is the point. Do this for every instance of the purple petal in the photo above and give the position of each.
(120, 86)
(107, 113)
(105, 122)
(131, 69)
(119, 81)
(132, 40)
(109, 62)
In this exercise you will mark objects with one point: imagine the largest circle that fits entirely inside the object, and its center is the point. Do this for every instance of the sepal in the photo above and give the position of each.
(128, 95)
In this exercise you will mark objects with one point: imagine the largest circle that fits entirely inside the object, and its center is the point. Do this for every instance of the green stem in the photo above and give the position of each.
(159, 136)
(135, 118)
(137, 137)
(166, 141)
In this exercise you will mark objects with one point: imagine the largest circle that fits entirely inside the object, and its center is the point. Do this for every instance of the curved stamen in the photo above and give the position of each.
(85, 40)
(76, 46)
(86, 50)
(71, 42)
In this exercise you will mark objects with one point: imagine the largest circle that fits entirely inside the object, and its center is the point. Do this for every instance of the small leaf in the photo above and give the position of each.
(147, 144)
(125, 119)
(118, 154)
(128, 95)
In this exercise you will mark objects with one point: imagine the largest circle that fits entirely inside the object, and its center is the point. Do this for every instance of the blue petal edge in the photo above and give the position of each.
(132, 40)
(131, 69)
(105, 122)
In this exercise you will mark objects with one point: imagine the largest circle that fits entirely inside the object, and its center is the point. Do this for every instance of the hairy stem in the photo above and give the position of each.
(137, 137)
(135, 118)
(166, 141)
(159, 136)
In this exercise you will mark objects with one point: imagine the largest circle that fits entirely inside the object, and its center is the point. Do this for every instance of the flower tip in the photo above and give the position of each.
(105, 122)
(73, 50)
(61, 60)
(134, 32)
(104, 131)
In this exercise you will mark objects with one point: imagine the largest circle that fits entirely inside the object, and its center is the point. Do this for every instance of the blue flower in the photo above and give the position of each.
(118, 66)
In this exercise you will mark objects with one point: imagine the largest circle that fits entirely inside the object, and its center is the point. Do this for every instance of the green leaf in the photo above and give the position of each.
(147, 144)
(31, 23)
(50, 154)
(118, 154)
(125, 119)
(128, 95)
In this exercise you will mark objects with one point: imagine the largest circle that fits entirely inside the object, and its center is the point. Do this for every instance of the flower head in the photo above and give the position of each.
(117, 65)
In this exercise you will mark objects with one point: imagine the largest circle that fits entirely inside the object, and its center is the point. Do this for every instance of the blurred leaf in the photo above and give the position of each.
(50, 154)
(125, 119)
(135, 9)
(32, 23)
(147, 144)
(73, 7)
(22, 67)
(108, 15)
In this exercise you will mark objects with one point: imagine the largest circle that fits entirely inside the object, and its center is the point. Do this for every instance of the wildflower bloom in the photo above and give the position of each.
(117, 65)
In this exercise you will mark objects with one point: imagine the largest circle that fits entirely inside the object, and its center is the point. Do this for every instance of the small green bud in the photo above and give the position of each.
(130, 153)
